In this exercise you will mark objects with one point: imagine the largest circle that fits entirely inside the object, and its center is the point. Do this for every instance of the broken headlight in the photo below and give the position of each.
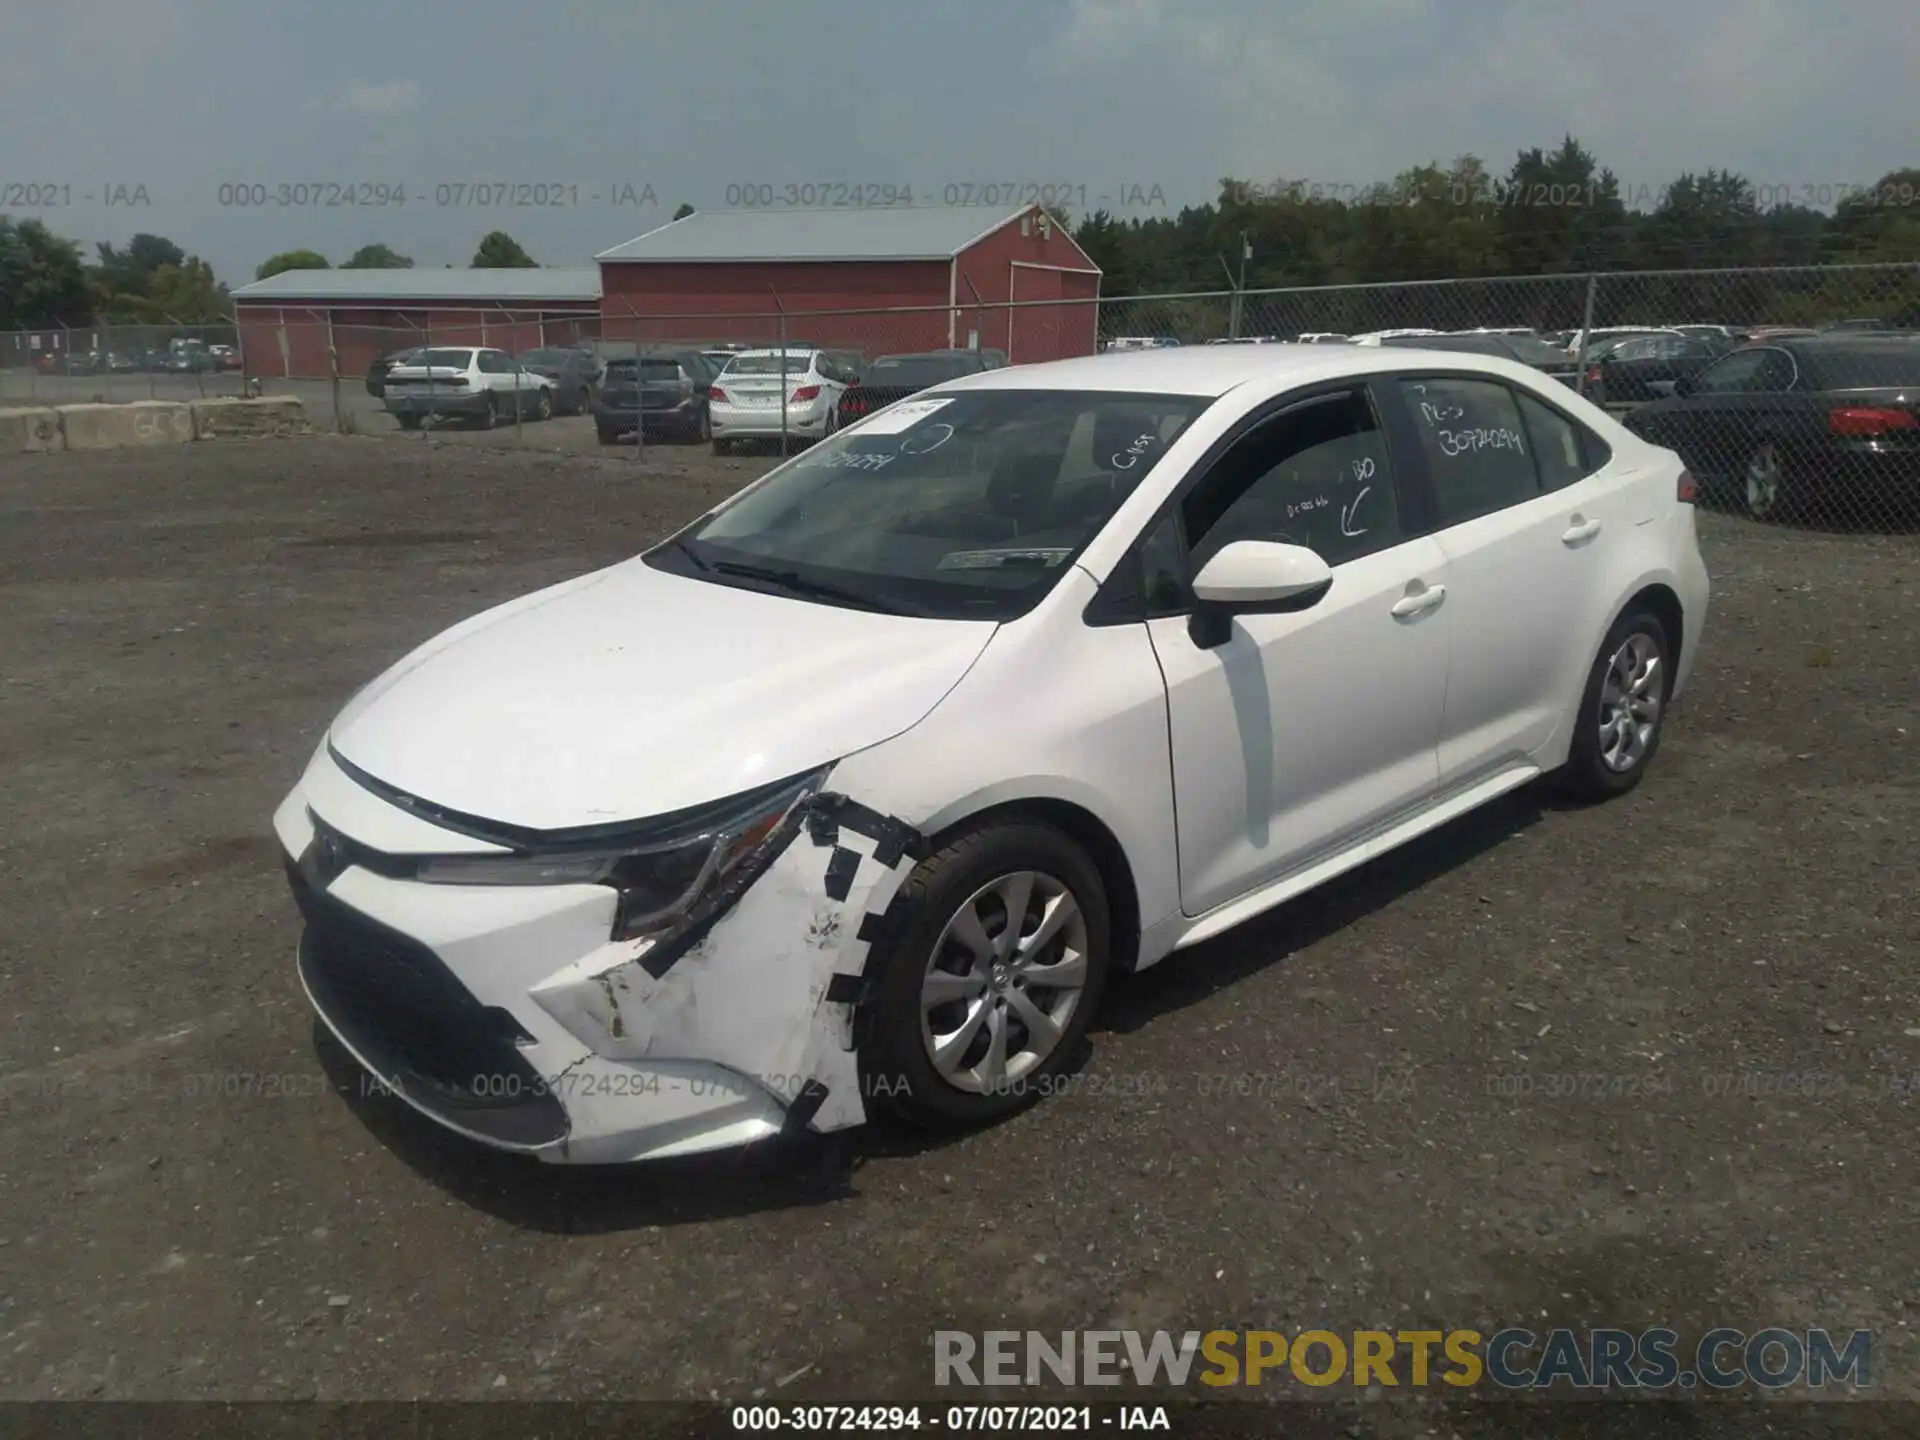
(668, 873)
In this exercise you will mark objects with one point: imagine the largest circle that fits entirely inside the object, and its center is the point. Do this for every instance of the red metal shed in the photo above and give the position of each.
(882, 280)
(293, 324)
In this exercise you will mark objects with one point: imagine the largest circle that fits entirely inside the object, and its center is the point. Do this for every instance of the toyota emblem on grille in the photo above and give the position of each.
(329, 856)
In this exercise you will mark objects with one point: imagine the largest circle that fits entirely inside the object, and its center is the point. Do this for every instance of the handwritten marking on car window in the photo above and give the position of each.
(1350, 510)
(1363, 470)
(1440, 414)
(924, 442)
(1305, 507)
(1486, 437)
(1130, 457)
(846, 460)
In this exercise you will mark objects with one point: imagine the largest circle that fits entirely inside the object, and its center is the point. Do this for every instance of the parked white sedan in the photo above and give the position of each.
(745, 402)
(462, 382)
(858, 790)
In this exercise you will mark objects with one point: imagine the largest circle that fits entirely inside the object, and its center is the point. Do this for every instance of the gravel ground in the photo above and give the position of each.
(1394, 1145)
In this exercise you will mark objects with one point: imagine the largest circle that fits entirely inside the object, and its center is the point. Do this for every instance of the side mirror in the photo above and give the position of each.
(1254, 577)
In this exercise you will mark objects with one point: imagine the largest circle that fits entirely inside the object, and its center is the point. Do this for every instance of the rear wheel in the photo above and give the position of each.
(988, 975)
(408, 422)
(722, 447)
(543, 404)
(1622, 710)
(490, 413)
(583, 401)
(1769, 495)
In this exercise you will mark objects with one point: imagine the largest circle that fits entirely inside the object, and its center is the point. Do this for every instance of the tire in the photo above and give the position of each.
(543, 404)
(702, 429)
(1767, 493)
(408, 422)
(1590, 774)
(607, 437)
(490, 414)
(583, 401)
(972, 875)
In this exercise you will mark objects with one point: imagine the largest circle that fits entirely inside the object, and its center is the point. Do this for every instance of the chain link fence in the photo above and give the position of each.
(1790, 393)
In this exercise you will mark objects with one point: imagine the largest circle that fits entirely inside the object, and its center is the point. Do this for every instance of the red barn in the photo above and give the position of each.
(884, 280)
(291, 324)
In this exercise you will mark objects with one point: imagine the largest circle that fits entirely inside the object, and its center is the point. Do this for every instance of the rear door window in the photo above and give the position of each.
(1476, 445)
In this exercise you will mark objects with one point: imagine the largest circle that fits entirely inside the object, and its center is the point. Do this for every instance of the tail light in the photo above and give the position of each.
(807, 392)
(1858, 420)
(855, 404)
(1593, 375)
(1688, 490)
(714, 392)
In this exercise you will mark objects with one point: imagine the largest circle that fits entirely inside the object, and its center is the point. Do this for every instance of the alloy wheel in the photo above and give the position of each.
(1763, 482)
(1003, 982)
(1630, 700)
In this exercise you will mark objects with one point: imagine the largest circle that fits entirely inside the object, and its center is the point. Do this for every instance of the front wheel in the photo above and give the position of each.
(408, 422)
(543, 405)
(490, 413)
(987, 978)
(1622, 709)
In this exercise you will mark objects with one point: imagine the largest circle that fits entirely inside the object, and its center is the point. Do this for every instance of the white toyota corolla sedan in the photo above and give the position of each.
(858, 791)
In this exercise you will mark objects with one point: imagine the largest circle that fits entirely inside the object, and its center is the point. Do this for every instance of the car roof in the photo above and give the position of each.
(1213, 370)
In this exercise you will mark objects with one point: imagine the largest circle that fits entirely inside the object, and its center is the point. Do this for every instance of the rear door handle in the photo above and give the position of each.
(1581, 530)
(1419, 604)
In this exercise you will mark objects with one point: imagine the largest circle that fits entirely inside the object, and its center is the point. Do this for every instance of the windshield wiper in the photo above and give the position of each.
(795, 583)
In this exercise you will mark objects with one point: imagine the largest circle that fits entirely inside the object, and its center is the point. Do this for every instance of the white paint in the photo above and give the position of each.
(1308, 742)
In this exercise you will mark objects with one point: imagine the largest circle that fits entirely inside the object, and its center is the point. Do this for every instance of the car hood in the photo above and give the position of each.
(632, 692)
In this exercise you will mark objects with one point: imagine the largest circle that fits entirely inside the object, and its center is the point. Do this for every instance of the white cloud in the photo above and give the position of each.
(379, 101)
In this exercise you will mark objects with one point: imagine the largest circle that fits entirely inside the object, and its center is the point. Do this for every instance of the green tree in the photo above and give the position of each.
(500, 251)
(42, 280)
(682, 211)
(128, 272)
(377, 257)
(188, 293)
(291, 260)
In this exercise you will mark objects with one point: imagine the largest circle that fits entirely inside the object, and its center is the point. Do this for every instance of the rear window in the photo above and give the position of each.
(769, 365)
(1862, 367)
(453, 359)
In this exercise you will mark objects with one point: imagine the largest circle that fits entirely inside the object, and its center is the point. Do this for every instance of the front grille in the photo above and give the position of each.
(423, 1032)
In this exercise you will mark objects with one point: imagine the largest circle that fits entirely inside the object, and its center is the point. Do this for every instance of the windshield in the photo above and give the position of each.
(918, 370)
(769, 364)
(964, 506)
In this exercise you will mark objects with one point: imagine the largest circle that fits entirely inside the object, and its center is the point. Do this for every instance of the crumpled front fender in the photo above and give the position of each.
(769, 990)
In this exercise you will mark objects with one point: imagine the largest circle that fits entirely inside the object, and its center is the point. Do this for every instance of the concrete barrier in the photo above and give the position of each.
(119, 427)
(30, 432)
(239, 419)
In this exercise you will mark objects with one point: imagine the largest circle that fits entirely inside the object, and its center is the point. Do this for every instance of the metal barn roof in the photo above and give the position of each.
(563, 283)
(902, 232)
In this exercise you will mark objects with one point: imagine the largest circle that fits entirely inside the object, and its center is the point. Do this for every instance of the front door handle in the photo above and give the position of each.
(1581, 530)
(1421, 603)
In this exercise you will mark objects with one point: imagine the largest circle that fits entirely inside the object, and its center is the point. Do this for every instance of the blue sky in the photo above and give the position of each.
(1123, 98)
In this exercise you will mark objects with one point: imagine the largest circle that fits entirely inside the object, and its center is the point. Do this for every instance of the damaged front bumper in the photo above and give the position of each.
(510, 1015)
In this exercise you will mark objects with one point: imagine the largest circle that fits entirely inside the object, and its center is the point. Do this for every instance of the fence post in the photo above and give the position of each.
(639, 390)
(333, 370)
(780, 365)
(1580, 344)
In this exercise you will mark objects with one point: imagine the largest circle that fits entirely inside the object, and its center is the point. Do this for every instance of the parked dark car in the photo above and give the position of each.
(83, 363)
(1647, 367)
(377, 371)
(894, 377)
(1527, 349)
(1788, 427)
(575, 374)
(667, 389)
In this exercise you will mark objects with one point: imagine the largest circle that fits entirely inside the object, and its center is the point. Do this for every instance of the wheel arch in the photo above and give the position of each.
(1093, 835)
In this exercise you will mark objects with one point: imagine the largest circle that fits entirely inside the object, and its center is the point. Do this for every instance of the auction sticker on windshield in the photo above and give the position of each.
(903, 416)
